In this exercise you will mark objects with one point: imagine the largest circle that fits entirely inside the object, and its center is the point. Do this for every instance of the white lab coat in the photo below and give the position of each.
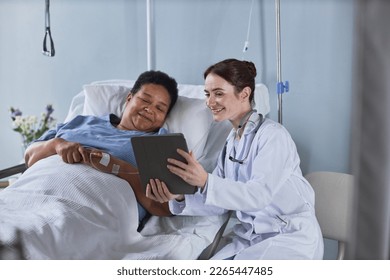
(271, 199)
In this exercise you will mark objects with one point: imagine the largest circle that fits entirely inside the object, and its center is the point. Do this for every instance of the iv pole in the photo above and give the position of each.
(280, 87)
(150, 36)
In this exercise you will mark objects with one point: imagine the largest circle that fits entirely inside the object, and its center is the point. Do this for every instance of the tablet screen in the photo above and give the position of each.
(151, 154)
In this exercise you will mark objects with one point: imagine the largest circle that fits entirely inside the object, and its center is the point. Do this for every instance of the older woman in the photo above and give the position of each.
(258, 176)
(61, 208)
(147, 106)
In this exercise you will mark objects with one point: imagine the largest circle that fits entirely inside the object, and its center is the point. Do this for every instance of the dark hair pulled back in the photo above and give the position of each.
(239, 73)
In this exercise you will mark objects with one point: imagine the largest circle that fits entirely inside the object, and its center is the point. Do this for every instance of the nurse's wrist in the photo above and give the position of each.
(204, 181)
(204, 185)
(180, 198)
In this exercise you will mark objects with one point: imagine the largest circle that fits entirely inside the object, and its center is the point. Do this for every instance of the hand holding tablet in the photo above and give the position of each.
(152, 153)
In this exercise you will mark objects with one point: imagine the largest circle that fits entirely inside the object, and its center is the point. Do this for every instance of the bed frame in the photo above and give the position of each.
(10, 171)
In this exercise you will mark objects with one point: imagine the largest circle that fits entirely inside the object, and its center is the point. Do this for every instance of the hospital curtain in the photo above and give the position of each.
(371, 132)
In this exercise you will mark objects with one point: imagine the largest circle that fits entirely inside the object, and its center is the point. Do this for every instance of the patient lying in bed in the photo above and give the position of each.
(60, 183)
(147, 106)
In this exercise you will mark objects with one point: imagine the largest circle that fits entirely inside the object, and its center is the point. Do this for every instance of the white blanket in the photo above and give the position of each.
(72, 211)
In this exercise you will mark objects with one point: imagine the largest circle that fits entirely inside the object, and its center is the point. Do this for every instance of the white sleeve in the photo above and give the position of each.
(193, 205)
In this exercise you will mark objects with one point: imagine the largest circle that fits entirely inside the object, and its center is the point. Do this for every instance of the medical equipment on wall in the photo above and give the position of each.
(48, 51)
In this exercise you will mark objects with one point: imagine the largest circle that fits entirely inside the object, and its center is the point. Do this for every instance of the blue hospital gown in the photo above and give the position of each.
(100, 133)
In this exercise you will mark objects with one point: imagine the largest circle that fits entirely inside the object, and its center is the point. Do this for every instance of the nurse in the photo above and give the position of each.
(257, 176)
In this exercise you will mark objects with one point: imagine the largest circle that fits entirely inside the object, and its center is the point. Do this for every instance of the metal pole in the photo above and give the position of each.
(279, 62)
(149, 35)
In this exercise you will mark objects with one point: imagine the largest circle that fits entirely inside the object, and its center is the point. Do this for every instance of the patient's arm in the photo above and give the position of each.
(129, 173)
(71, 152)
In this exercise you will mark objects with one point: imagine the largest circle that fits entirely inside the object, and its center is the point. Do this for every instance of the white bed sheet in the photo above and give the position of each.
(82, 213)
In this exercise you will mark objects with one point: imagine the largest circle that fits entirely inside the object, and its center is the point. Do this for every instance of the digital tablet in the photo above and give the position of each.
(152, 153)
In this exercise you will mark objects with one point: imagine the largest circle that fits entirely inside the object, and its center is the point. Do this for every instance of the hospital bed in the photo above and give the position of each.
(88, 214)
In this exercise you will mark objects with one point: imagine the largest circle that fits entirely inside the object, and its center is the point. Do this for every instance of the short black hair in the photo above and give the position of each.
(157, 78)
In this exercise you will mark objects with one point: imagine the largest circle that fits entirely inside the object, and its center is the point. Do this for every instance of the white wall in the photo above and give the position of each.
(105, 39)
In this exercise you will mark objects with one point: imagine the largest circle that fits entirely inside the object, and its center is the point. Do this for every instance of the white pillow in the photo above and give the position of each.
(193, 91)
(102, 100)
(262, 99)
(191, 117)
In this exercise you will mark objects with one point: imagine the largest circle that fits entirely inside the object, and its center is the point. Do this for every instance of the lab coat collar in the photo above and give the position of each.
(252, 123)
(250, 126)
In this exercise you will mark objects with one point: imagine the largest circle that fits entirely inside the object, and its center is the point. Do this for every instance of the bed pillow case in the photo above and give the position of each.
(101, 100)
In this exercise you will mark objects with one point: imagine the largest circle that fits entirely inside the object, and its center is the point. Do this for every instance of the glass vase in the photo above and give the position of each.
(23, 146)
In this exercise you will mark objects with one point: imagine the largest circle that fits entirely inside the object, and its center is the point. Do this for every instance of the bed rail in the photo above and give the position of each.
(20, 168)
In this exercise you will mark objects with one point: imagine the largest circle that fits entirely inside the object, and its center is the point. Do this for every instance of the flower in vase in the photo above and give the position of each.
(29, 127)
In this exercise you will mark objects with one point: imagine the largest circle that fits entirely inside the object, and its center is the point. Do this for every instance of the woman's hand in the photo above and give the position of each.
(158, 191)
(70, 152)
(192, 172)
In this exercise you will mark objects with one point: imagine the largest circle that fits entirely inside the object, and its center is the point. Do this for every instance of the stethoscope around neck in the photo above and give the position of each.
(243, 121)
